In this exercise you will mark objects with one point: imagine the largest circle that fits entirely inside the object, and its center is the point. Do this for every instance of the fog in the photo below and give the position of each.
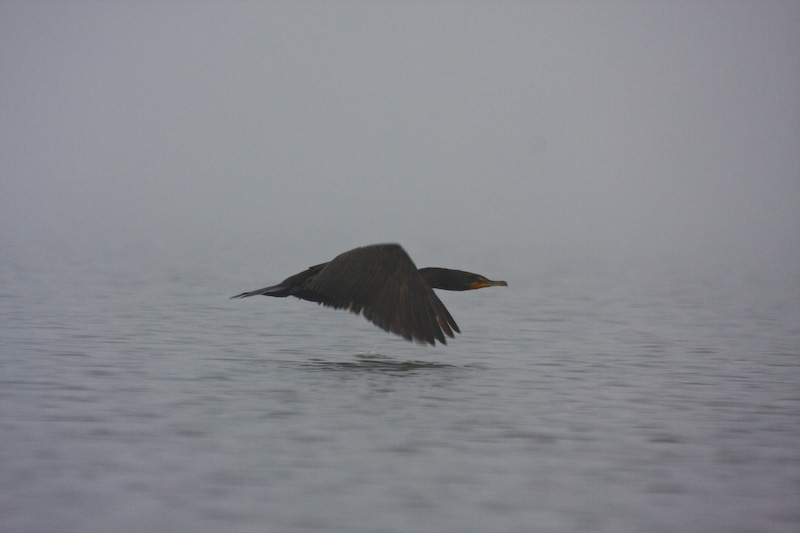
(492, 136)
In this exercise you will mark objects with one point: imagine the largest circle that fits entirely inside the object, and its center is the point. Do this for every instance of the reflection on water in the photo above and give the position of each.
(375, 362)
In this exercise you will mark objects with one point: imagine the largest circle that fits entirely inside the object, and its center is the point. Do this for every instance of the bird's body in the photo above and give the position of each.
(382, 283)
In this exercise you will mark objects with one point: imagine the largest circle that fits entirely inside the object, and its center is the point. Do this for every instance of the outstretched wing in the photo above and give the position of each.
(382, 283)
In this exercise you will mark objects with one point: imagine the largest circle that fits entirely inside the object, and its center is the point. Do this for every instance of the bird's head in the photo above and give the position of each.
(457, 280)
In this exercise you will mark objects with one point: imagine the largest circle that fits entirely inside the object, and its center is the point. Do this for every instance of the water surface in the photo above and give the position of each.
(137, 397)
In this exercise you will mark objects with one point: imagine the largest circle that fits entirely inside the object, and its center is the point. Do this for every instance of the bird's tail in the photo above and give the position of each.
(280, 291)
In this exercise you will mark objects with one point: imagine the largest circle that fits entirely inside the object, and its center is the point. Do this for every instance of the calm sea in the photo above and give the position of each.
(135, 397)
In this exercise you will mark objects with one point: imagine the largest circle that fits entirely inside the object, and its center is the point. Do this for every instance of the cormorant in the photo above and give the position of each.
(382, 283)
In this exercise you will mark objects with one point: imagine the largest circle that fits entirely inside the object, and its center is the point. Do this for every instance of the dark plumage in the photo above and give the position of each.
(382, 283)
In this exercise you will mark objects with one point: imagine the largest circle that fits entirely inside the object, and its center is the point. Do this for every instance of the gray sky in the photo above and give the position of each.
(476, 132)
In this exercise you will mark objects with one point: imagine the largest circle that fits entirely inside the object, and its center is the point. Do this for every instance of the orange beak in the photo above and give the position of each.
(483, 282)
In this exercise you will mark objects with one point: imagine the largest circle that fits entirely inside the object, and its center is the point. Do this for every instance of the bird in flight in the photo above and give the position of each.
(382, 283)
